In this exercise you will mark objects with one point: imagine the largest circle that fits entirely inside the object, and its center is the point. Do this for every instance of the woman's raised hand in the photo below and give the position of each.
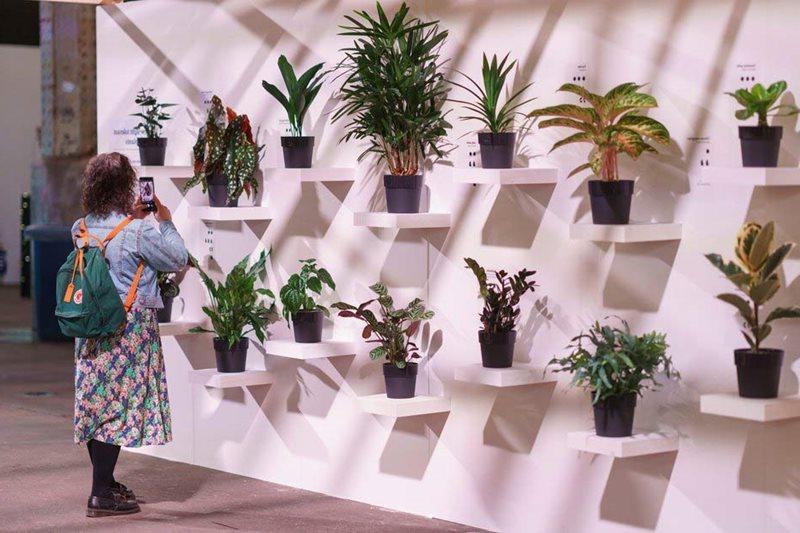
(162, 213)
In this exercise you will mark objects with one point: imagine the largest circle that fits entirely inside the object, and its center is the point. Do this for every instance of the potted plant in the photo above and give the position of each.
(616, 366)
(392, 94)
(225, 157)
(299, 307)
(761, 144)
(392, 329)
(152, 147)
(758, 369)
(500, 312)
(499, 139)
(237, 309)
(300, 93)
(169, 289)
(614, 124)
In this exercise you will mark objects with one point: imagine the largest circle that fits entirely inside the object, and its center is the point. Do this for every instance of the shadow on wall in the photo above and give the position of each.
(315, 391)
(516, 417)
(516, 215)
(636, 489)
(771, 459)
(639, 274)
(410, 445)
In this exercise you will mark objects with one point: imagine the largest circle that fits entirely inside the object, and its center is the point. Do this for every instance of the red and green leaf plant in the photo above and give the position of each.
(501, 296)
(392, 329)
(756, 276)
(613, 123)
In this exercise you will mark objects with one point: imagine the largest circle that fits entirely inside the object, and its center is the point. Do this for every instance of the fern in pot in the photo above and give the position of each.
(500, 312)
(613, 124)
(300, 93)
(498, 140)
(300, 308)
(616, 366)
(392, 95)
(152, 147)
(755, 274)
(225, 157)
(761, 144)
(392, 329)
(237, 309)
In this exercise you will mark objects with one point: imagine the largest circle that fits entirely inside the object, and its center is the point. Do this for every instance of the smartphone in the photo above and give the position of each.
(147, 193)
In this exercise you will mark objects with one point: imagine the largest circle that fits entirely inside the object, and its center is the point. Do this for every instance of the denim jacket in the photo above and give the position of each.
(161, 249)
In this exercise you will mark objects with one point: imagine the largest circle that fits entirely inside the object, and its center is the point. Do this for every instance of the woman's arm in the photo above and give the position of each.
(163, 249)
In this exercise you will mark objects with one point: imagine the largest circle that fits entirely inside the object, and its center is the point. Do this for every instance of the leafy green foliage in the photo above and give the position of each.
(236, 305)
(393, 87)
(152, 113)
(225, 144)
(756, 277)
(167, 284)
(611, 361)
(501, 297)
(761, 102)
(486, 108)
(295, 295)
(392, 329)
(300, 93)
(613, 123)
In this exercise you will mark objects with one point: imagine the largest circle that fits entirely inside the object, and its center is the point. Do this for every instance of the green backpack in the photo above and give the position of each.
(87, 303)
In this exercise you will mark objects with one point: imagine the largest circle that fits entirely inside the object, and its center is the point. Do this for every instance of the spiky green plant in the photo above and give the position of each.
(394, 87)
(152, 113)
(755, 275)
(225, 144)
(761, 102)
(236, 304)
(393, 330)
(486, 107)
(613, 123)
(300, 92)
(295, 295)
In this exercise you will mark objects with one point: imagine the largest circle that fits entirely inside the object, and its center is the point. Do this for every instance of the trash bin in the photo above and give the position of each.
(50, 246)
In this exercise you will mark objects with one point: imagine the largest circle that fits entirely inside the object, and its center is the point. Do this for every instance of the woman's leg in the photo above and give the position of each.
(104, 460)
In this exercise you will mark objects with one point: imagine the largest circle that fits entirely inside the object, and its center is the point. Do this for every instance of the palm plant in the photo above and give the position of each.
(152, 113)
(300, 92)
(393, 87)
(756, 276)
(761, 102)
(236, 305)
(613, 123)
(486, 108)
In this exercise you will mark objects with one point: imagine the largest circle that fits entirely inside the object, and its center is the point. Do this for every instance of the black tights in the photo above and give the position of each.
(104, 459)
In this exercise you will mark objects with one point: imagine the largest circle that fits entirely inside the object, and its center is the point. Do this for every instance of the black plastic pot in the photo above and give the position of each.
(152, 151)
(307, 326)
(611, 201)
(400, 382)
(297, 151)
(761, 145)
(497, 350)
(231, 359)
(497, 149)
(165, 313)
(758, 372)
(613, 417)
(218, 191)
(403, 193)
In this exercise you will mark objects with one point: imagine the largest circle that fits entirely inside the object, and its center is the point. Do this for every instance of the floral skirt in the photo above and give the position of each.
(121, 386)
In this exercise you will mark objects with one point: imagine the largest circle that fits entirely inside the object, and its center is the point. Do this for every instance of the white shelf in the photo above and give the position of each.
(402, 220)
(314, 174)
(734, 406)
(223, 380)
(379, 404)
(634, 232)
(316, 350)
(751, 176)
(165, 172)
(230, 213)
(171, 329)
(635, 445)
(500, 377)
(506, 176)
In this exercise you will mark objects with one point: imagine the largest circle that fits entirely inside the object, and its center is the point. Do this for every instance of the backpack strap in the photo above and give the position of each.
(131, 296)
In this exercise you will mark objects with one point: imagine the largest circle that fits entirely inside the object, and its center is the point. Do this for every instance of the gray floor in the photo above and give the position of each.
(45, 479)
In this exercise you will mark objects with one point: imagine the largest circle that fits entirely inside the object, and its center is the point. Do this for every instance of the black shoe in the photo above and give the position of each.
(117, 505)
(122, 490)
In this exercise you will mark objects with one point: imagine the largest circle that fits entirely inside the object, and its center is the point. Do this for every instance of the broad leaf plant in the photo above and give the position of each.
(761, 102)
(300, 92)
(298, 292)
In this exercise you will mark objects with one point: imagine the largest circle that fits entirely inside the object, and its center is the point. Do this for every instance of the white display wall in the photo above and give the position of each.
(498, 460)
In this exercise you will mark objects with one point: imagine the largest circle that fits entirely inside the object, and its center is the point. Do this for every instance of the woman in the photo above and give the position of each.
(120, 383)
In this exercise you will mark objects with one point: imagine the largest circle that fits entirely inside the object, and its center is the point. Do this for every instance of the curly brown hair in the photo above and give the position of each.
(109, 184)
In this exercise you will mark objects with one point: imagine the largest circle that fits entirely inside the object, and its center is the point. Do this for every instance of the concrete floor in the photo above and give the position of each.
(45, 478)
